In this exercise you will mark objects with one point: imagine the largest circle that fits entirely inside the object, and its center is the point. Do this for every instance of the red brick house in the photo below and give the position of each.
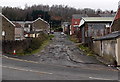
(76, 18)
(116, 22)
(75, 22)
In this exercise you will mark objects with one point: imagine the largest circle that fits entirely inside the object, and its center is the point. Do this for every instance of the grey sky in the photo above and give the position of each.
(94, 4)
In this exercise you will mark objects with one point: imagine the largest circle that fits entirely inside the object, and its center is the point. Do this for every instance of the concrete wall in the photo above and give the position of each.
(107, 49)
(97, 47)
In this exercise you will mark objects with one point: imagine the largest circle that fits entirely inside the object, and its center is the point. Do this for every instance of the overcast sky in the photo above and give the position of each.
(94, 4)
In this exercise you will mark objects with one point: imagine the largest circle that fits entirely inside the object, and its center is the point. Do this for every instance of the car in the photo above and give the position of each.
(62, 33)
(52, 31)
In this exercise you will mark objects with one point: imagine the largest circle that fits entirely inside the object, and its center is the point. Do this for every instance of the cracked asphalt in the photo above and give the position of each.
(61, 59)
(62, 51)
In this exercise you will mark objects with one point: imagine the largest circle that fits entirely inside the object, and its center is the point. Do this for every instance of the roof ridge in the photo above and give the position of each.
(7, 19)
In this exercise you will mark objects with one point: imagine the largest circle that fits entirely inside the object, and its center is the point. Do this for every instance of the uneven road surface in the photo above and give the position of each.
(60, 60)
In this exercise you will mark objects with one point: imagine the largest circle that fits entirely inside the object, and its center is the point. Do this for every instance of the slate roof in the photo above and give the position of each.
(78, 16)
(113, 35)
(93, 15)
(107, 15)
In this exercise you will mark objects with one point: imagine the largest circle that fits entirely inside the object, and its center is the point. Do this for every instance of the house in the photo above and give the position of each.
(108, 47)
(93, 27)
(32, 28)
(32, 34)
(76, 18)
(75, 22)
(8, 28)
(66, 27)
(27, 25)
(41, 25)
(116, 23)
(19, 32)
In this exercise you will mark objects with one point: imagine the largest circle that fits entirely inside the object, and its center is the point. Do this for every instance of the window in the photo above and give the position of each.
(3, 33)
(76, 22)
(108, 25)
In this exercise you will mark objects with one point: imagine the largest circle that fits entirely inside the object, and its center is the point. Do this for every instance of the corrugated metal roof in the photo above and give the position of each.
(95, 19)
(98, 19)
(109, 36)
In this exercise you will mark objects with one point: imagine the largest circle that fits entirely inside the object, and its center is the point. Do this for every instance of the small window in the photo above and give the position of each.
(107, 25)
(29, 25)
(76, 22)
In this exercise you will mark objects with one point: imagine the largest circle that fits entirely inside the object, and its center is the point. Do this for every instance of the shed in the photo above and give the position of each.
(92, 27)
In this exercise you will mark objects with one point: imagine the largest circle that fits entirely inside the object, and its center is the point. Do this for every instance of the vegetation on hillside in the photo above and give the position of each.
(54, 14)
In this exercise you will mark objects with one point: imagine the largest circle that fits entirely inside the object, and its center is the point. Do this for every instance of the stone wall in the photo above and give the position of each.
(9, 30)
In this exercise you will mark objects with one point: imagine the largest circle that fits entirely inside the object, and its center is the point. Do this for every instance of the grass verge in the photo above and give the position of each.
(86, 50)
(41, 47)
